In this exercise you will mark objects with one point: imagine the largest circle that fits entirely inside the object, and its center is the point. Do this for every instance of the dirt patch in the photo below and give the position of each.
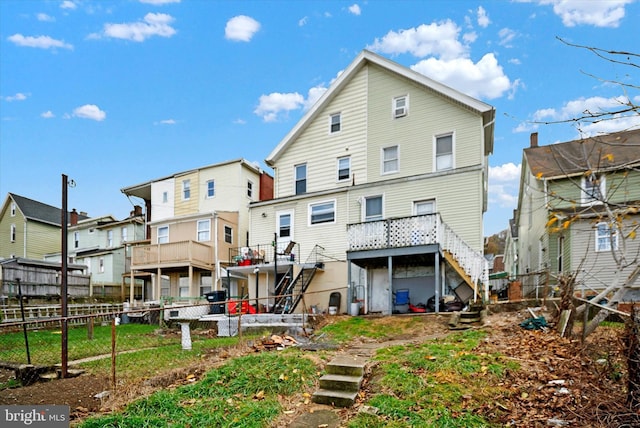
(78, 393)
(557, 379)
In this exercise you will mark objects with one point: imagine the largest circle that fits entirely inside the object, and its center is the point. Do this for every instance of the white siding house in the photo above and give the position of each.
(382, 188)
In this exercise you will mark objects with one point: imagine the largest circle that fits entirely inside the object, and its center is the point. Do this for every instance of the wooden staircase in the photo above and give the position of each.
(340, 385)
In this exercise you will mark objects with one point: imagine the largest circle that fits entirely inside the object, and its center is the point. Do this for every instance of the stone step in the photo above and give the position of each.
(335, 398)
(347, 365)
(336, 382)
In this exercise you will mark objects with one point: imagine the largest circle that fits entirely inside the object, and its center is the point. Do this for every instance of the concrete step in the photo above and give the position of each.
(335, 398)
(340, 382)
(347, 365)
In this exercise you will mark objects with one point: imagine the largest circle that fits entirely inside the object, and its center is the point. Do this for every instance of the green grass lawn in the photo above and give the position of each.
(439, 383)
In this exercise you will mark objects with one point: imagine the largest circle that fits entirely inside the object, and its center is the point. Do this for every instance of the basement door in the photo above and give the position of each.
(379, 290)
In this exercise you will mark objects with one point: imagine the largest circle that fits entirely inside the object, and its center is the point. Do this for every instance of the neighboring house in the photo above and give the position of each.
(578, 211)
(381, 187)
(101, 244)
(29, 229)
(194, 219)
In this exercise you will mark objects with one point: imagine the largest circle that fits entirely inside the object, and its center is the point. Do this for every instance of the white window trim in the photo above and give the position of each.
(585, 198)
(338, 179)
(310, 210)
(295, 178)
(364, 207)
(291, 223)
(382, 160)
(331, 116)
(166, 226)
(250, 189)
(394, 107)
(186, 185)
(610, 241)
(206, 192)
(424, 201)
(435, 151)
(12, 233)
(13, 209)
(208, 230)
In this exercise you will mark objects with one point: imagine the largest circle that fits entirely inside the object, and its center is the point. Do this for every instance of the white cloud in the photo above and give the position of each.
(439, 39)
(484, 79)
(270, 106)
(303, 21)
(483, 18)
(159, 2)
(240, 122)
(17, 97)
(47, 114)
(44, 17)
(241, 28)
(597, 13)
(504, 183)
(153, 24)
(355, 9)
(42, 42)
(67, 4)
(90, 111)
(168, 122)
(314, 95)
(506, 37)
(505, 172)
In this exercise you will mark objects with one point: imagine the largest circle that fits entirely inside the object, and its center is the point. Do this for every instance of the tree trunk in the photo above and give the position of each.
(633, 359)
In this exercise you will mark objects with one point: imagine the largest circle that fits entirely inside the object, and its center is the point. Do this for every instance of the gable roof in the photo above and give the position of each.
(367, 57)
(599, 153)
(38, 211)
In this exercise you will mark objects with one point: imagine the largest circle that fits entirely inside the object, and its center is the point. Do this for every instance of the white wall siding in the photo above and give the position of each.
(162, 210)
(320, 149)
(429, 115)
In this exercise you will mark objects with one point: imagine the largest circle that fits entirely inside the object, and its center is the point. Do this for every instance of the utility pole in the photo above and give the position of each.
(63, 284)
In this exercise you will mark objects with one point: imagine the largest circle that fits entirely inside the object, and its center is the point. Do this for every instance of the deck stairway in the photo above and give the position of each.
(340, 385)
(289, 292)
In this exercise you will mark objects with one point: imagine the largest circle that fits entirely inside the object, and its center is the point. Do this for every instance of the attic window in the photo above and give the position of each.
(400, 106)
(335, 123)
(13, 209)
(593, 189)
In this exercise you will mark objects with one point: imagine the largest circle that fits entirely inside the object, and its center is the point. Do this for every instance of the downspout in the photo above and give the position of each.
(24, 240)
(216, 259)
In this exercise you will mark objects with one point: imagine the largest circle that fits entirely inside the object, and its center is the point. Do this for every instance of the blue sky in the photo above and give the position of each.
(116, 93)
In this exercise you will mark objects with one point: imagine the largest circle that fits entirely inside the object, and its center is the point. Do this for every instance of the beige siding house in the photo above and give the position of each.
(578, 212)
(379, 192)
(195, 221)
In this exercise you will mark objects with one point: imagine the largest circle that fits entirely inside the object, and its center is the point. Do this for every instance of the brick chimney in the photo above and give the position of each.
(137, 211)
(534, 139)
(73, 217)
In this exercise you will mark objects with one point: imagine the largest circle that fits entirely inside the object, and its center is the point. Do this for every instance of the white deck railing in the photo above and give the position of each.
(418, 230)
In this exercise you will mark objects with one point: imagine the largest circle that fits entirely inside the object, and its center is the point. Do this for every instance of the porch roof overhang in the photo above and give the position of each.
(172, 267)
(379, 257)
(270, 268)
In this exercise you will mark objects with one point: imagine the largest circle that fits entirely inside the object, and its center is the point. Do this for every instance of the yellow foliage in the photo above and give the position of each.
(609, 157)
(539, 175)
(566, 224)
(552, 221)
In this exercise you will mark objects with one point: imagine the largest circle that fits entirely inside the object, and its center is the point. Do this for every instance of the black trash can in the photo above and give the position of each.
(218, 296)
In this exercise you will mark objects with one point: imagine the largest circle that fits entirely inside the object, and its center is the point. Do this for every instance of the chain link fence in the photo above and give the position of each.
(121, 344)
